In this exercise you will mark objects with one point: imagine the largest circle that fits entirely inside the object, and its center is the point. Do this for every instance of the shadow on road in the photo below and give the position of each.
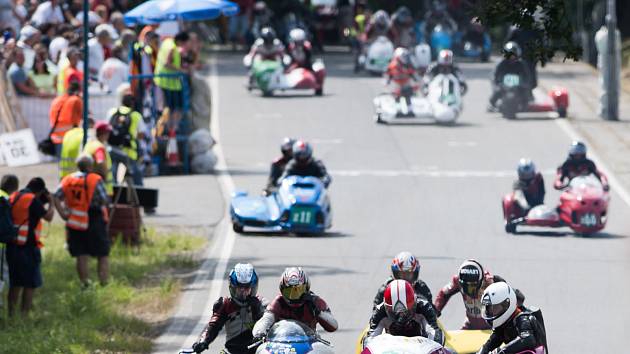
(333, 234)
(543, 233)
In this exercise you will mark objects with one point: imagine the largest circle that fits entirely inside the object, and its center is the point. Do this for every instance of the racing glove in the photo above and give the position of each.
(199, 347)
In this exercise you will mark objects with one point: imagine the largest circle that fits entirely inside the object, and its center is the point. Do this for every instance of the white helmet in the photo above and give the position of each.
(445, 57)
(526, 169)
(297, 35)
(499, 303)
(403, 55)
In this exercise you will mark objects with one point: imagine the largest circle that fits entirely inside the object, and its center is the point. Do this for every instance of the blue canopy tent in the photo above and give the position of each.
(156, 11)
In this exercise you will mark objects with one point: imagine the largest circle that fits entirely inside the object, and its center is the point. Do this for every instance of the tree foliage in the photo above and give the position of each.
(548, 19)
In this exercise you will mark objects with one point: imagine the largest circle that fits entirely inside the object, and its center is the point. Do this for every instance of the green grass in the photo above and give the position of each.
(121, 317)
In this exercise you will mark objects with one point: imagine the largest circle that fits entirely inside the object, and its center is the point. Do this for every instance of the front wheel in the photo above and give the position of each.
(378, 119)
(510, 228)
(238, 228)
(319, 92)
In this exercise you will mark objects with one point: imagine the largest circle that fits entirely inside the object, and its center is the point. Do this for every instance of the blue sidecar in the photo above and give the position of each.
(300, 205)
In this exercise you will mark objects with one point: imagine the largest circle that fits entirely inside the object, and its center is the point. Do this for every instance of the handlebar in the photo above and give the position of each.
(256, 343)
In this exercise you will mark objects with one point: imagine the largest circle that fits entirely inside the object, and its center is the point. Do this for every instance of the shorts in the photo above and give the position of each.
(24, 266)
(91, 242)
(174, 99)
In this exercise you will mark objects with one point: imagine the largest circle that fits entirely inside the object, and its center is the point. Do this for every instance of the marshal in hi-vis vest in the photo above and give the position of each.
(21, 202)
(78, 189)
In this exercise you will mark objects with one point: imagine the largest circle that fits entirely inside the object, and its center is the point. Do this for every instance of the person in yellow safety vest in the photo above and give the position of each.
(82, 201)
(23, 254)
(97, 149)
(8, 185)
(128, 127)
(169, 61)
(70, 149)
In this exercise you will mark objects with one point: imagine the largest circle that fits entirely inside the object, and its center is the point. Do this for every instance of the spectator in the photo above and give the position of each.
(85, 215)
(8, 186)
(48, 12)
(94, 19)
(69, 70)
(29, 36)
(66, 112)
(13, 13)
(97, 149)
(127, 128)
(59, 45)
(23, 255)
(118, 21)
(239, 24)
(99, 49)
(126, 40)
(143, 59)
(42, 75)
(24, 86)
(169, 61)
(114, 70)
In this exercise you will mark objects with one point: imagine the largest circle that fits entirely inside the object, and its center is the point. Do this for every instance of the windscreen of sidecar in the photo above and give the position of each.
(290, 332)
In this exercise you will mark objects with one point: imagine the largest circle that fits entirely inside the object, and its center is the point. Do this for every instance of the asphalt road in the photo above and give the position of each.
(429, 189)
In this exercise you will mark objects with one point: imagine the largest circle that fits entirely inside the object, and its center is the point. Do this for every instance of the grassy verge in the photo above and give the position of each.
(122, 317)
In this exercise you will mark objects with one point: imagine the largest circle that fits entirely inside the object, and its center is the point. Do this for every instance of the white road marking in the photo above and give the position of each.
(218, 255)
(616, 186)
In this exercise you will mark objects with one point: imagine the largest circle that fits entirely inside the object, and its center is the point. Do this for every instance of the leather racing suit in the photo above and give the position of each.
(572, 168)
(510, 66)
(423, 323)
(313, 311)
(313, 168)
(520, 333)
(238, 322)
(533, 192)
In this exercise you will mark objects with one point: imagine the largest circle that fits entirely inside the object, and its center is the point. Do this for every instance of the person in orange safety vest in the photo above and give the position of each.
(82, 202)
(23, 254)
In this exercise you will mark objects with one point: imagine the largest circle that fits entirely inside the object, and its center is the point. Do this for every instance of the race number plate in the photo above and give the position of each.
(589, 219)
(511, 80)
(302, 216)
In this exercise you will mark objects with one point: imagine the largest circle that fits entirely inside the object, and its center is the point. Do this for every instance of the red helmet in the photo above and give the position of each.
(400, 300)
(445, 57)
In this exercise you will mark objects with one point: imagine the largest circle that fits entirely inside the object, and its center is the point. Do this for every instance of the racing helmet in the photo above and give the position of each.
(380, 20)
(243, 283)
(445, 57)
(475, 25)
(470, 277)
(294, 284)
(405, 266)
(403, 56)
(400, 301)
(297, 35)
(526, 169)
(287, 146)
(268, 35)
(498, 303)
(577, 151)
(402, 16)
(260, 7)
(512, 48)
(302, 151)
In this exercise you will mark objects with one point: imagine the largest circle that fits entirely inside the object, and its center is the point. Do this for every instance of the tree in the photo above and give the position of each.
(550, 20)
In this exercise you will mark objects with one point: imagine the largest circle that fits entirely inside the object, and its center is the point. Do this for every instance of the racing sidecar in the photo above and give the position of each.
(583, 207)
(515, 98)
(443, 103)
(386, 343)
(270, 76)
(376, 57)
(300, 205)
(293, 337)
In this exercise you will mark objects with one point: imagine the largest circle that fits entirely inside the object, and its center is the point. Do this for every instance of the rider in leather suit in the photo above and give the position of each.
(303, 164)
(518, 328)
(236, 313)
(404, 314)
(470, 281)
(405, 266)
(445, 65)
(577, 164)
(296, 302)
(278, 165)
(300, 50)
(511, 64)
(530, 185)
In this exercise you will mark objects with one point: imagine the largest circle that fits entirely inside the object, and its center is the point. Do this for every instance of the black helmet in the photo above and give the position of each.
(268, 35)
(287, 146)
(512, 47)
(470, 277)
(403, 16)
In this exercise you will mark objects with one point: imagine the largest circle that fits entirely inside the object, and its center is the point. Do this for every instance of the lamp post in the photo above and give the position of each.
(86, 70)
(613, 65)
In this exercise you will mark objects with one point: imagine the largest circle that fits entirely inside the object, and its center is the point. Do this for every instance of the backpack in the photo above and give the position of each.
(8, 231)
(120, 135)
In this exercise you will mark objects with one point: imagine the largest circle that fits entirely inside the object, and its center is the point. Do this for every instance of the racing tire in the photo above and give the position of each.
(238, 228)
(562, 112)
(378, 119)
(510, 228)
(319, 92)
(267, 93)
(485, 57)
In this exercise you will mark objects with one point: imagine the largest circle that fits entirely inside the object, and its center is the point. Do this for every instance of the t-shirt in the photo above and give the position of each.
(17, 74)
(57, 45)
(113, 73)
(45, 13)
(97, 54)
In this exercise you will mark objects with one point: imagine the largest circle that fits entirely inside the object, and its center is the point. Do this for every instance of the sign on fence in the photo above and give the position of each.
(19, 148)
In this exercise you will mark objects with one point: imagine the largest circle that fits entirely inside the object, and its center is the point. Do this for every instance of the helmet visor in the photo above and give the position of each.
(294, 293)
(409, 276)
(401, 314)
(493, 311)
